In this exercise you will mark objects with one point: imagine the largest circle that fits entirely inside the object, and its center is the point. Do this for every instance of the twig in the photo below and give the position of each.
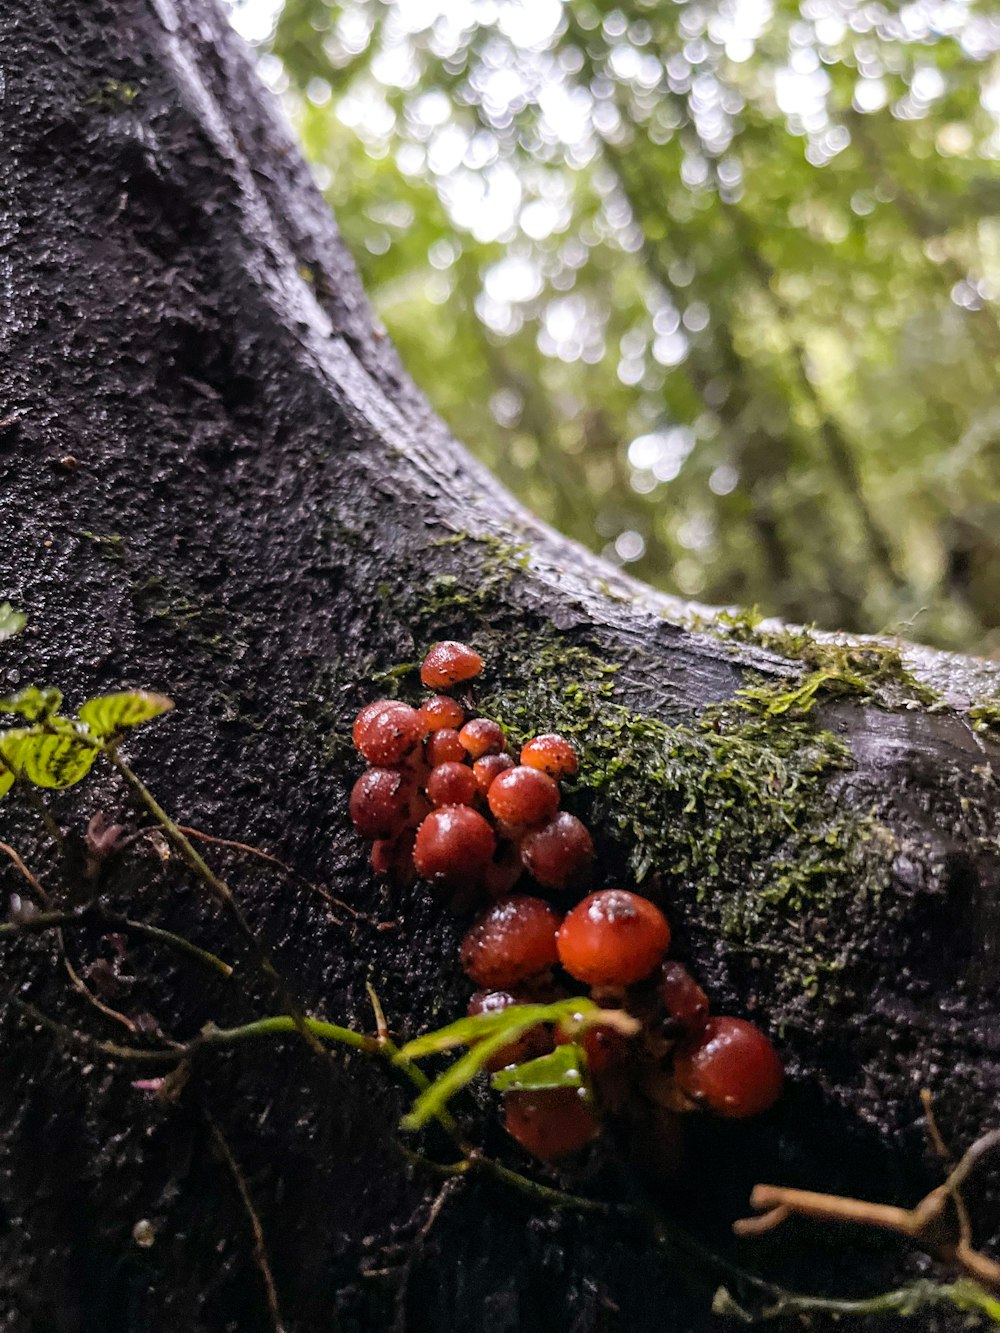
(448, 1188)
(81, 986)
(381, 1027)
(43, 921)
(259, 1245)
(272, 860)
(221, 890)
(904, 1301)
(934, 1224)
(942, 1150)
(33, 880)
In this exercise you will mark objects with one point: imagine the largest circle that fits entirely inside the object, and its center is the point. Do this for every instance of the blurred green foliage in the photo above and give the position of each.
(712, 286)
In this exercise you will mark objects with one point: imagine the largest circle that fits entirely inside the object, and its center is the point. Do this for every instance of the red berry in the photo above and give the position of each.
(440, 711)
(490, 767)
(483, 736)
(444, 747)
(552, 754)
(551, 1123)
(558, 852)
(452, 784)
(613, 938)
(380, 803)
(453, 844)
(389, 735)
(512, 941)
(731, 1067)
(684, 1000)
(536, 1041)
(448, 664)
(523, 796)
(361, 722)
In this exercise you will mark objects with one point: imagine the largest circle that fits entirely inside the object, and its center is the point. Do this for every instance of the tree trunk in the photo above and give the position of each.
(219, 484)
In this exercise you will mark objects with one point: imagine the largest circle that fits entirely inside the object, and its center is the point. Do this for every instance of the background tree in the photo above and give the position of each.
(724, 277)
(218, 484)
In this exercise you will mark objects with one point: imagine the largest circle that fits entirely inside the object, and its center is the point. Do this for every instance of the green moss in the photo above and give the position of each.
(732, 805)
(512, 555)
(985, 715)
(869, 670)
(472, 591)
(216, 631)
(113, 93)
(111, 546)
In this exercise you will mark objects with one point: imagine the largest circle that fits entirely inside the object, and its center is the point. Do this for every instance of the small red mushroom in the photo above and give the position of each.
(613, 938)
(523, 796)
(453, 844)
(450, 663)
(550, 1123)
(731, 1067)
(511, 942)
(552, 754)
(558, 852)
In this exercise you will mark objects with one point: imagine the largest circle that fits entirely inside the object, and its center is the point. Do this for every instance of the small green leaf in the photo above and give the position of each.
(509, 1022)
(54, 754)
(434, 1099)
(486, 1034)
(6, 780)
(11, 622)
(32, 703)
(561, 1068)
(111, 713)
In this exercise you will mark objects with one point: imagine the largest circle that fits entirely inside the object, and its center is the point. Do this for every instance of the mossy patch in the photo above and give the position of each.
(732, 805)
(836, 666)
(985, 715)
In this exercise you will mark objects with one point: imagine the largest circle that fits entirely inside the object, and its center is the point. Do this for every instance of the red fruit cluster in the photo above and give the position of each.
(445, 801)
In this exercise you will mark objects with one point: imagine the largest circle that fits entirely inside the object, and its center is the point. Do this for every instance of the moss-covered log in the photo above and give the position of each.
(219, 484)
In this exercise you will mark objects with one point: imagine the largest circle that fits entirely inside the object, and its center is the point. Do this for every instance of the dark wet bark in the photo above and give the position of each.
(218, 483)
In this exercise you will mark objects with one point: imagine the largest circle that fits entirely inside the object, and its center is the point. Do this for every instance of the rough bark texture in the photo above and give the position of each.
(263, 514)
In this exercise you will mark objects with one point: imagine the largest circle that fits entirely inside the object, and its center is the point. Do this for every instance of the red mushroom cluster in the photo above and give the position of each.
(444, 800)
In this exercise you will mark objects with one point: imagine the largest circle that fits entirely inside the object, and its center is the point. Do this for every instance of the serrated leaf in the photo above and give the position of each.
(111, 713)
(561, 1068)
(55, 755)
(32, 703)
(11, 622)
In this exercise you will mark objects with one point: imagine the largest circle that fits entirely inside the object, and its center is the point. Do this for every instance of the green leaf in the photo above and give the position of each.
(111, 713)
(434, 1099)
(561, 1068)
(54, 754)
(32, 703)
(6, 780)
(11, 622)
(485, 1034)
(509, 1022)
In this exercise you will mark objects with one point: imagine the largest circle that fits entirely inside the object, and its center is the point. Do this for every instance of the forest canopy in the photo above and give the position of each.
(713, 287)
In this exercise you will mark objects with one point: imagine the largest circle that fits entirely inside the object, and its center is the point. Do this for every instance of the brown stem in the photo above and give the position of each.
(81, 986)
(931, 1224)
(33, 880)
(253, 1217)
